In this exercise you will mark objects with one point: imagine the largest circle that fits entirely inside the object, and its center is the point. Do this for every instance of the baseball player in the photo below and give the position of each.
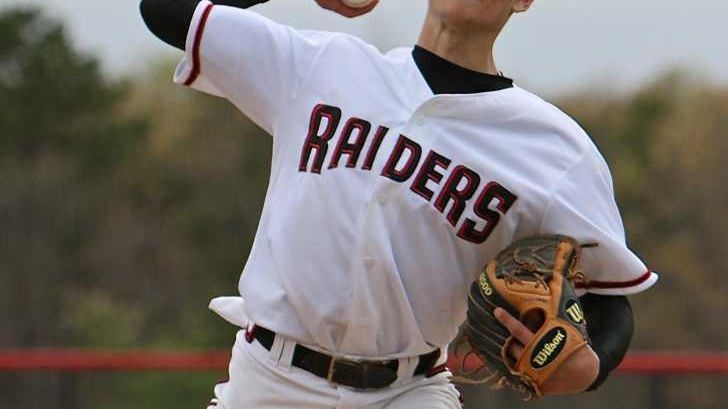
(395, 178)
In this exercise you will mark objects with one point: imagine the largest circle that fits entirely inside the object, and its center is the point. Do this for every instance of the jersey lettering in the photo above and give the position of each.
(428, 172)
(492, 192)
(319, 143)
(346, 147)
(405, 160)
(457, 194)
(374, 149)
(413, 160)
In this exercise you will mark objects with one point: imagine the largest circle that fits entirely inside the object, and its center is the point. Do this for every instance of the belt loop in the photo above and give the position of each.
(442, 359)
(406, 370)
(288, 348)
(250, 333)
(330, 374)
(276, 351)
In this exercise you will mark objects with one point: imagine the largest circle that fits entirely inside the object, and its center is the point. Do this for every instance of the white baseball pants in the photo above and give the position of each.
(262, 379)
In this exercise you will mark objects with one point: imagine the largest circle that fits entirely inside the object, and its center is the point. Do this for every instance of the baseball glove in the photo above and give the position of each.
(533, 279)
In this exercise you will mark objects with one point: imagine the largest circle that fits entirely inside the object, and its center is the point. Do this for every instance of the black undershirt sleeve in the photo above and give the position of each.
(170, 19)
(610, 325)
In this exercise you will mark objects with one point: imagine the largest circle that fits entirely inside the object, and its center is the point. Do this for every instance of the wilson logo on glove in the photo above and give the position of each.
(549, 348)
(573, 309)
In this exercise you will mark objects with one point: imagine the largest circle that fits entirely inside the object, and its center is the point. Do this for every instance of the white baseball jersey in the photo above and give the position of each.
(386, 201)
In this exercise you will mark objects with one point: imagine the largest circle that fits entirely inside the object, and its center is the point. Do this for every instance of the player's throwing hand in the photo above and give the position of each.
(340, 7)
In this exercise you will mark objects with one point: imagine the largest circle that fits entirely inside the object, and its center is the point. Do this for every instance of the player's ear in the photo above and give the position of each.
(522, 5)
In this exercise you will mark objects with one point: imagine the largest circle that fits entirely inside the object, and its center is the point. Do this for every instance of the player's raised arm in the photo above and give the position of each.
(254, 62)
(170, 19)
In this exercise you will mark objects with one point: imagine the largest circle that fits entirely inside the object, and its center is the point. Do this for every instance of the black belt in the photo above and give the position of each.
(354, 374)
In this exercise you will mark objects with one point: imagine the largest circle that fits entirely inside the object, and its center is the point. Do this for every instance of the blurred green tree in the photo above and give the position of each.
(123, 208)
(60, 139)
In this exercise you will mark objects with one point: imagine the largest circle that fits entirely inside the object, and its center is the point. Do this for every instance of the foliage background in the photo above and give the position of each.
(125, 205)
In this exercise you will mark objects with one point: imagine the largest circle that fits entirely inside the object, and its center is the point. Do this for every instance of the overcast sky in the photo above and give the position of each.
(556, 47)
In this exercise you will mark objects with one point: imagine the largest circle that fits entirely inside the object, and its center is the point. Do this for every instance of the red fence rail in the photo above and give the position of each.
(75, 360)
(675, 363)
(72, 360)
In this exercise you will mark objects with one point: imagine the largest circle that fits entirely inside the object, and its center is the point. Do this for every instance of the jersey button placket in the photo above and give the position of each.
(387, 193)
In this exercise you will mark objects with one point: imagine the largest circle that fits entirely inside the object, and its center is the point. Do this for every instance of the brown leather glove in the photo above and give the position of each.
(533, 279)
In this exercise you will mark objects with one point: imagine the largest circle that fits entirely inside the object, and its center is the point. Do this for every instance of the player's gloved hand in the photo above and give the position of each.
(533, 279)
(573, 376)
(337, 6)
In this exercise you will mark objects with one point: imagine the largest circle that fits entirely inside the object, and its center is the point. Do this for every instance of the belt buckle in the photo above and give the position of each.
(338, 362)
(337, 368)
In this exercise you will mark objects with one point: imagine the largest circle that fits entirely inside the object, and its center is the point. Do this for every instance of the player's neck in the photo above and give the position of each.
(466, 47)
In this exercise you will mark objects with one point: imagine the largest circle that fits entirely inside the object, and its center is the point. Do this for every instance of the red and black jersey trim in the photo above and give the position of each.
(605, 285)
(196, 65)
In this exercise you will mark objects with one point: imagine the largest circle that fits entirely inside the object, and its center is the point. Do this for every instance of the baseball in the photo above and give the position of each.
(357, 3)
